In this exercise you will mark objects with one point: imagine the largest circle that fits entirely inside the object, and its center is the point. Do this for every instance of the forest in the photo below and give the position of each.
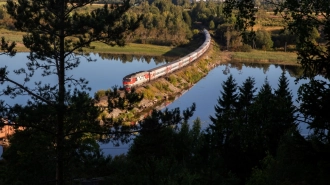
(253, 138)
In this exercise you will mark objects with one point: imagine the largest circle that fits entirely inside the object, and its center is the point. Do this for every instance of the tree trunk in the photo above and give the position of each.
(60, 107)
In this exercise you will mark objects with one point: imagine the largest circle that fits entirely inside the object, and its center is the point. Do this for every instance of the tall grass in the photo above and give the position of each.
(163, 87)
(203, 66)
(148, 94)
(173, 80)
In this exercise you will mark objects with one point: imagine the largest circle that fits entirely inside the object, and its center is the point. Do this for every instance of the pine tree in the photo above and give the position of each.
(260, 121)
(314, 99)
(7, 48)
(244, 121)
(227, 100)
(246, 99)
(222, 124)
(57, 33)
(284, 116)
(221, 134)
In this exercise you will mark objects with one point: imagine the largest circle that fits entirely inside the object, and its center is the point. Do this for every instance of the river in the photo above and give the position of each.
(105, 73)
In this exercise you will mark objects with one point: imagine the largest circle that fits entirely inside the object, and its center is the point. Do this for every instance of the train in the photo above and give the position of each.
(141, 77)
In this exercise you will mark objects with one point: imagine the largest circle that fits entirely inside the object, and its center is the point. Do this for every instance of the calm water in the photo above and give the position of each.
(105, 73)
(206, 92)
(102, 74)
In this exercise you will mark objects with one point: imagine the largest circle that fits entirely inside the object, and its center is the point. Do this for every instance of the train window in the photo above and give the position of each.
(127, 80)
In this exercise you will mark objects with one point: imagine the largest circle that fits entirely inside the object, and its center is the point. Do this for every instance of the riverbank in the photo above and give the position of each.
(256, 56)
(161, 92)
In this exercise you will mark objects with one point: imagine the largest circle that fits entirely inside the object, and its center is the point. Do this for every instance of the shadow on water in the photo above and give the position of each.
(173, 54)
(125, 58)
(293, 70)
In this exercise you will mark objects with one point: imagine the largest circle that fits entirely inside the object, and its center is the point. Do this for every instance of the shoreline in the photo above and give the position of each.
(161, 98)
(209, 60)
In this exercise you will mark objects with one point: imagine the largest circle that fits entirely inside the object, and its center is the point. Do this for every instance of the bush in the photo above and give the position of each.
(211, 25)
(263, 40)
(102, 115)
(148, 94)
(203, 66)
(245, 48)
(99, 94)
(195, 31)
(162, 87)
(173, 80)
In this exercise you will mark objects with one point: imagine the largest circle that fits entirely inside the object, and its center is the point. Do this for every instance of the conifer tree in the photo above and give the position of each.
(284, 115)
(314, 99)
(246, 99)
(244, 120)
(221, 132)
(7, 48)
(222, 124)
(261, 119)
(226, 101)
(56, 34)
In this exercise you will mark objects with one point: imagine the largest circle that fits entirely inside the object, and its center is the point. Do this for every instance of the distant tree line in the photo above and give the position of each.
(166, 22)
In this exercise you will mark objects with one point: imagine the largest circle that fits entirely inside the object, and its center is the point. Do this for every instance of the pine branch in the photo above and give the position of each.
(29, 91)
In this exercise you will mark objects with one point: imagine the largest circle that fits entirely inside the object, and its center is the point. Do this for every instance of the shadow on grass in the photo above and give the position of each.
(184, 50)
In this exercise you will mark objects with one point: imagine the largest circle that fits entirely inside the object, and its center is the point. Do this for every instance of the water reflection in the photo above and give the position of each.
(131, 58)
(293, 70)
(102, 74)
(206, 92)
(109, 70)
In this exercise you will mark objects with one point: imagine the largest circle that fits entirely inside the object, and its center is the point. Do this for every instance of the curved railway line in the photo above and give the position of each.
(141, 77)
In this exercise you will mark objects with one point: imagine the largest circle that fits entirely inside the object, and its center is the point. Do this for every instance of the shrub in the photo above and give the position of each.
(203, 66)
(161, 86)
(148, 94)
(99, 94)
(102, 115)
(173, 80)
(245, 48)
(195, 31)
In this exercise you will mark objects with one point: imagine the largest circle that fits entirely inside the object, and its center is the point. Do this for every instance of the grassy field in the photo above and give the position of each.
(131, 48)
(266, 57)
(139, 49)
(103, 48)
(154, 50)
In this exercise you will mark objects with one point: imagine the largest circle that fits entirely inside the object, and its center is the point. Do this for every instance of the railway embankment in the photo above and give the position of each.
(162, 91)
